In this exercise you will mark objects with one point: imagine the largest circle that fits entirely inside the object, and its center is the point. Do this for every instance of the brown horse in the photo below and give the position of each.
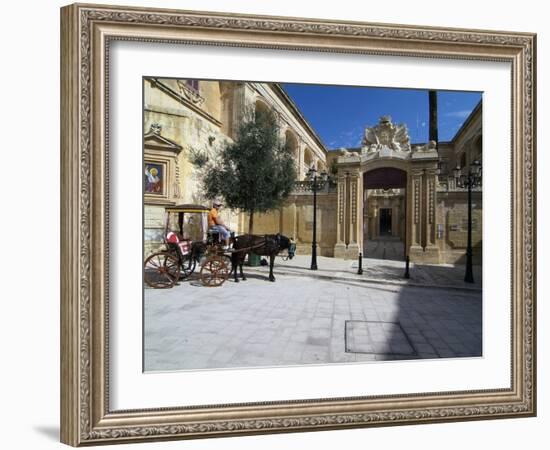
(263, 245)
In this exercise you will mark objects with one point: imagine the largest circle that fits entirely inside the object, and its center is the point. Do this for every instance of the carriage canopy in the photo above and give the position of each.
(187, 208)
(190, 227)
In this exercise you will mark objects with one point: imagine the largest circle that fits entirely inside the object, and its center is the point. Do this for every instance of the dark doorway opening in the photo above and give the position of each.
(385, 178)
(385, 222)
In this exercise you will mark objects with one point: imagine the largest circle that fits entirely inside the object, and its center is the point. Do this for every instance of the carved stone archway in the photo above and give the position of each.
(391, 161)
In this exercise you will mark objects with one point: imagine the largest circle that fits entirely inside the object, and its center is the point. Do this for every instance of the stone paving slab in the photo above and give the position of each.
(300, 320)
(374, 337)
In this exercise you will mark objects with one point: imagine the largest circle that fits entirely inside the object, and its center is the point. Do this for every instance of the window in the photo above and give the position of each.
(193, 84)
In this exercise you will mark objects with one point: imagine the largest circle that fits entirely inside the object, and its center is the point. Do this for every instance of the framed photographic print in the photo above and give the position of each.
(277, 224)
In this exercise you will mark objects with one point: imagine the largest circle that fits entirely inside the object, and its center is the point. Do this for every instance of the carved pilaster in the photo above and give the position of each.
(340, 247)
(430, 229)
(416, 208)
(177, 183)
(341, 206)
(431, 251)
(355, 214)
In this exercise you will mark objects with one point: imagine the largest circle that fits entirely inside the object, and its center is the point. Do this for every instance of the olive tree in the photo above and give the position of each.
(255, 173)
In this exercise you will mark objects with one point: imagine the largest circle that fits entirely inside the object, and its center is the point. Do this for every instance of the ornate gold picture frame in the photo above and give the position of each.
(87, 32)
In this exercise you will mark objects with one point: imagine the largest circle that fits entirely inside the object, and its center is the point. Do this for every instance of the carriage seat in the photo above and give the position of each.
(213, 236)
(183, 245)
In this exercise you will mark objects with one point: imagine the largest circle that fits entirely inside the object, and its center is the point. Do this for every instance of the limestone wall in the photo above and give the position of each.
(452, 223)
(295, 219)
(192, 131)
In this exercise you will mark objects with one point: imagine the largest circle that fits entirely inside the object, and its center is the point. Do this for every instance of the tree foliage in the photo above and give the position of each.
(256, 172)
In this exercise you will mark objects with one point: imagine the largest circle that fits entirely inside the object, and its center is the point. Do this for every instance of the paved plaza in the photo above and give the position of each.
(331, 315)
(380, 271)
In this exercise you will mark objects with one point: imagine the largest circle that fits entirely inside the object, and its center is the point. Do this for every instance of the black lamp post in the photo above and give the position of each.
(317, 182)
(469, 180)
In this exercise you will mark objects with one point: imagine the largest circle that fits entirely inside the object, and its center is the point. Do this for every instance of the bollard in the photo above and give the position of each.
(407, 275)
(360, 269)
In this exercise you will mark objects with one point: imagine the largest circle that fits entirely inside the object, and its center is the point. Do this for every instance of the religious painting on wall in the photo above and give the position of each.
(153, 178)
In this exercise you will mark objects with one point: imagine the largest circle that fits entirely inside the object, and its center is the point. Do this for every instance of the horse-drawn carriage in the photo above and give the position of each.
(189, 243)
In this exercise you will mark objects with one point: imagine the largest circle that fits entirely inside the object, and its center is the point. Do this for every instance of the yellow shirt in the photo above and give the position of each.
(212, 216)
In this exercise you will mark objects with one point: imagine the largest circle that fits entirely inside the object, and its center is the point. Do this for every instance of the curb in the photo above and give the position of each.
(281, 271)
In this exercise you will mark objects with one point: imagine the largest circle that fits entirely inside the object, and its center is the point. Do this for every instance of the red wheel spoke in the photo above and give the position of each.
(214, 271)
(161, 270)
(152, 262)
(167, 276)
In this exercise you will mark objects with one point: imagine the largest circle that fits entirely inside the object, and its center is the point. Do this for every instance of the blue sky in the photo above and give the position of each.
(339, 114)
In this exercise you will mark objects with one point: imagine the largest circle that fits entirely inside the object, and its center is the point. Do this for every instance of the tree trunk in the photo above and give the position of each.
(250, 222)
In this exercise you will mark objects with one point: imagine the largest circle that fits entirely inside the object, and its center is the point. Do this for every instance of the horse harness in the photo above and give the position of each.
(262, 244)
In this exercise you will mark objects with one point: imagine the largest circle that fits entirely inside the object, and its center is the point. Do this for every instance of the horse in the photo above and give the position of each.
(263, 245)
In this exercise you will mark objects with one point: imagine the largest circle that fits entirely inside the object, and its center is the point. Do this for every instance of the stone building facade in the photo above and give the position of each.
(386, 188)
(184, 116)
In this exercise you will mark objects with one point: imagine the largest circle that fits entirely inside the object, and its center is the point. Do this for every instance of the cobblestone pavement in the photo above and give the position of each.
(300, 320)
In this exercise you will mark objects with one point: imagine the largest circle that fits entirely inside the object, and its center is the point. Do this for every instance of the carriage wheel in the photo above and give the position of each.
(214, 271)
(188, 265)
(161, 270)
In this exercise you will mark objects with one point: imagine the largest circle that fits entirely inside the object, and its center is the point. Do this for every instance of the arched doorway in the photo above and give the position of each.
(384, 213)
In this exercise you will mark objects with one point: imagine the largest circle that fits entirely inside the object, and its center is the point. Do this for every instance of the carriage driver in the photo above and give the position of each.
(215, 222)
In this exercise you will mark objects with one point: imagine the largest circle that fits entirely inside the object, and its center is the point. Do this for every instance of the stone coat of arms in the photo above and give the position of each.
(386, 135)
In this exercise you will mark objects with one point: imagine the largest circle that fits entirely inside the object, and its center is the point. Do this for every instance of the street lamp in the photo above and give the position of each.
(469, 180)
(317, 182)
